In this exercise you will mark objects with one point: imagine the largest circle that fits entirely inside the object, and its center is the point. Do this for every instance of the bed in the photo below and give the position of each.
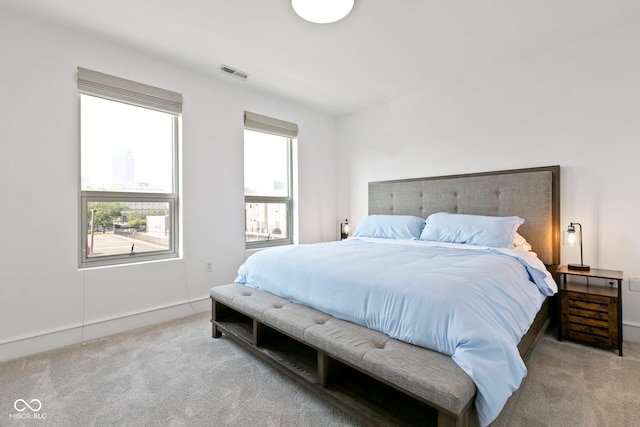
(364, 345)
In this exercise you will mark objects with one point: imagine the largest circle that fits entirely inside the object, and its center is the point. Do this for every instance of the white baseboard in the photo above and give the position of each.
(75, 335)
(630, 331)
(53, 340)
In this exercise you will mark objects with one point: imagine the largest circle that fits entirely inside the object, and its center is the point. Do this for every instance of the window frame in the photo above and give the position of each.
(115, 89)
(287, 201)
(269, 125)
(133, 197)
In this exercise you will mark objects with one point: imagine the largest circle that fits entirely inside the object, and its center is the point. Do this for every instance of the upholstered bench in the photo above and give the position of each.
(267, 324)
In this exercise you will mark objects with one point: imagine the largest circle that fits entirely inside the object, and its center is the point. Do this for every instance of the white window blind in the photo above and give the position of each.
(260, 123)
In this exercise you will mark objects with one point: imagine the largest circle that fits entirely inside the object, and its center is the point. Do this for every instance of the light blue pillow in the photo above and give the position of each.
(494, 231)
(390, 227)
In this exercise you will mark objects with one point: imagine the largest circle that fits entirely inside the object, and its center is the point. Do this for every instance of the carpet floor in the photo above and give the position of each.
(175, 374)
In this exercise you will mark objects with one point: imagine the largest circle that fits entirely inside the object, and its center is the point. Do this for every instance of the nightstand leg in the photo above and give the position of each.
(562, 279)
(620, 318)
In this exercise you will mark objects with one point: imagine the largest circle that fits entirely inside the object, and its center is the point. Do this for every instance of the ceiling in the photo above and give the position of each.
(384, 49)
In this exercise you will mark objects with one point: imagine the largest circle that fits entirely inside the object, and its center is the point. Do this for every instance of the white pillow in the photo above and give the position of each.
(390, 227)
(519, 242)
(494, 231)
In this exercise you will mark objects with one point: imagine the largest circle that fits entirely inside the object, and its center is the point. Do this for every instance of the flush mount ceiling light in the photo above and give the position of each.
(322, 11)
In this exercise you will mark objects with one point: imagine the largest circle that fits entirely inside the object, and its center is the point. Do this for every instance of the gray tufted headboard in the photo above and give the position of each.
(532, 194)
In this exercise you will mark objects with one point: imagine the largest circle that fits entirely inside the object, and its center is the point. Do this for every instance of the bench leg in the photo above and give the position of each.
(215, 333)
(468, 418)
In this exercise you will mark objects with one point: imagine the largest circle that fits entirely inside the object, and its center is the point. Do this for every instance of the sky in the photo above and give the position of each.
(265, 162)
(108, 127)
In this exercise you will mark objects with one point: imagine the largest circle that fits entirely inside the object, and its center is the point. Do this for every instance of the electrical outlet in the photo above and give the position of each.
(634, 284)
(208, 266)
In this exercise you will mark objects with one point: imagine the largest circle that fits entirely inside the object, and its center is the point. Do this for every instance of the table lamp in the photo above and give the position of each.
(571, 238)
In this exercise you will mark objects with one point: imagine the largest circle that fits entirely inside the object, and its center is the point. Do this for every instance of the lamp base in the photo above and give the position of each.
(580, 267)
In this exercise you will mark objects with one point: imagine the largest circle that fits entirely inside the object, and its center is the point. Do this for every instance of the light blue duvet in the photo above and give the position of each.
(473, 303)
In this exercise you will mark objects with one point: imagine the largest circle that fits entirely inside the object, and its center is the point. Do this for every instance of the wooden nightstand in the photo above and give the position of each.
(591, 313)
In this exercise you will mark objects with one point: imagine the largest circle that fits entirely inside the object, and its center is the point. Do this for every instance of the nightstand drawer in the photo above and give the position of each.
(590, 318)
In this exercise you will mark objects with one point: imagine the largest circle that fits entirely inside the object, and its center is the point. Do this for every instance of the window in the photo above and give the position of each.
(129, 136)
(268, 183)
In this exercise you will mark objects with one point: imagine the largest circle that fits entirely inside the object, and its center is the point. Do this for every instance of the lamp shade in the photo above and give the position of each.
(344, 229)
(571, 237)
(322, 11)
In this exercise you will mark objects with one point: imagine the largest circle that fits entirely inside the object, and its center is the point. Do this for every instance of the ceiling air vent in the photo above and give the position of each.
(233, 72)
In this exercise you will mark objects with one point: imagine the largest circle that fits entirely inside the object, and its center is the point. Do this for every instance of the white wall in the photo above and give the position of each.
(45, 300)
(575, 105)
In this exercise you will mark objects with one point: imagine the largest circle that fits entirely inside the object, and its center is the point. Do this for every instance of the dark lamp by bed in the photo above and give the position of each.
(344, 229)
(571, 238)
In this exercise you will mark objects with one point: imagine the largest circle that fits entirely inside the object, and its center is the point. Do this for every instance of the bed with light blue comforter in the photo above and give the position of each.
(470, 302)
